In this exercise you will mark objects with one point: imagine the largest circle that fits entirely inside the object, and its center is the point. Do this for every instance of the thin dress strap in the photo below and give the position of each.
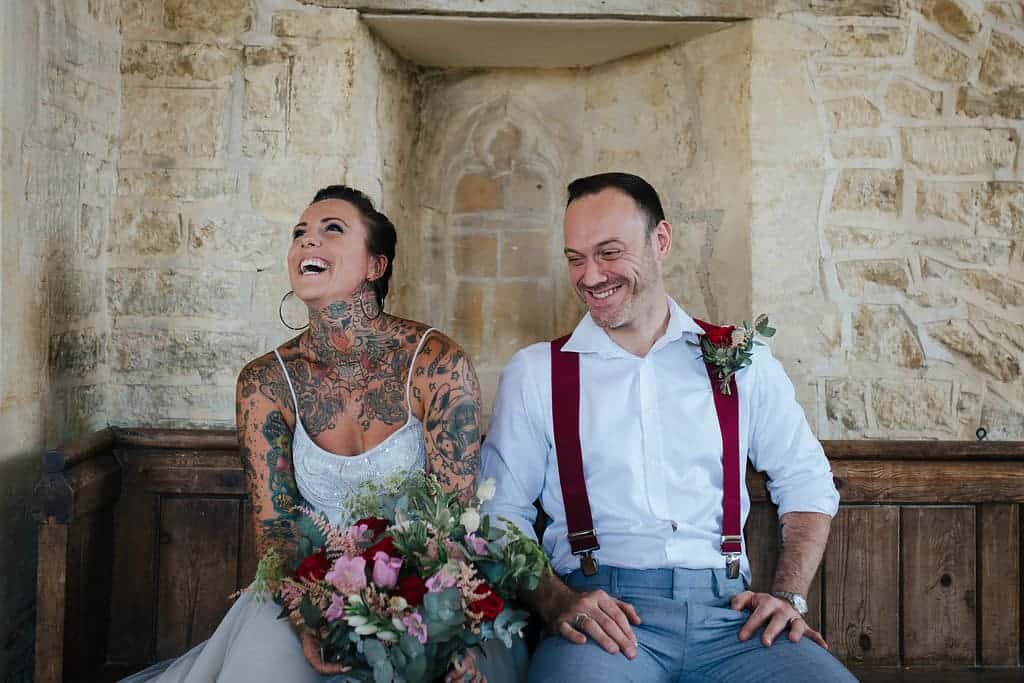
(408, 380)
(295, 401)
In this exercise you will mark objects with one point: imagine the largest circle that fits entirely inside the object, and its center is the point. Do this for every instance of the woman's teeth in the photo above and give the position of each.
(313, 266)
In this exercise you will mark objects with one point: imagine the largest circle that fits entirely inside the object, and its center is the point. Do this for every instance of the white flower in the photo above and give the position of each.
(487, 489)
(739, 337)
(471, 520)
(356, 621)
(355, 599)
(397, 623)
(366, 629)
(387, 636)
(397, 603)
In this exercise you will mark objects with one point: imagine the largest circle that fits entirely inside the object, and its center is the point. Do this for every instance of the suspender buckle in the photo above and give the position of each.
(732, 565)
(587, 563)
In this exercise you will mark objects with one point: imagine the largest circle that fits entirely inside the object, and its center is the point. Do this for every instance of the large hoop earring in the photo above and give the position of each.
(362, 305)
(280, 312)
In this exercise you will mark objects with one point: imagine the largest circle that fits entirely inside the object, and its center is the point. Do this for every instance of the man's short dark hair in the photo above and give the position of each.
(636, 187)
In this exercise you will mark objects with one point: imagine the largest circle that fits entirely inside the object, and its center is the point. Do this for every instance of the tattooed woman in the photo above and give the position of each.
(359, 394)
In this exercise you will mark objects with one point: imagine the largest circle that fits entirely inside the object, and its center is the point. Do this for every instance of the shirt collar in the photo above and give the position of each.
(588, 337)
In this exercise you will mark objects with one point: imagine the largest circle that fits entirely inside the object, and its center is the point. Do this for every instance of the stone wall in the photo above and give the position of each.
(888, 235)
(235, 113)
(59, 122)
(499, 146)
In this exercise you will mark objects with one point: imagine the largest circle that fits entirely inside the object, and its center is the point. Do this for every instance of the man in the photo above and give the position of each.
(658, 601)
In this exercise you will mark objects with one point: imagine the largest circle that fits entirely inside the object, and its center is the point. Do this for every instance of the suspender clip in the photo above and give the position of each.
(732, 565)
(587, 563)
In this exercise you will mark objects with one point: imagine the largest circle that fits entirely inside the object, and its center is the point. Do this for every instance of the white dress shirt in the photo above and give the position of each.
(652, 448)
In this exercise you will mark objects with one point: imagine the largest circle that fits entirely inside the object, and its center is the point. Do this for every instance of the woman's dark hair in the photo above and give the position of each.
(381, 237)
(636, 187)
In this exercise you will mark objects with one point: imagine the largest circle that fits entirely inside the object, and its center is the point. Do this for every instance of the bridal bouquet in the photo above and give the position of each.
(410, 585)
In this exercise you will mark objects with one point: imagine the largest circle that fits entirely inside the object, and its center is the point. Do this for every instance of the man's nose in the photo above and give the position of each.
(592, 274)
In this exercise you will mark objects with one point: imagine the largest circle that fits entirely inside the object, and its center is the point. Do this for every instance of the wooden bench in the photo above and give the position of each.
(144, 535)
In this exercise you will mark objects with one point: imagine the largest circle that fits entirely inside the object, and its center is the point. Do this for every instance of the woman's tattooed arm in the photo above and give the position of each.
(265, 442)
(447, 386)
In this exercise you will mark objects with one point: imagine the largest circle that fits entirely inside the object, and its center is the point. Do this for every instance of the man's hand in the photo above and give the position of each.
(775, 614)
(600, 616)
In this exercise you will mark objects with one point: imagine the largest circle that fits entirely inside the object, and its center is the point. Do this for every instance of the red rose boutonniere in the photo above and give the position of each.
(729, 349)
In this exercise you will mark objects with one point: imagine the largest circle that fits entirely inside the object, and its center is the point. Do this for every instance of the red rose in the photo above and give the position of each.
(719, 336)
(313, 568)
(489, 605)
(374, 524)
(412, 588)
(385, 544)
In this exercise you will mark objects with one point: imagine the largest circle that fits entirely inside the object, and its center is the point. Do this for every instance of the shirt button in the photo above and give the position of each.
(674, 525)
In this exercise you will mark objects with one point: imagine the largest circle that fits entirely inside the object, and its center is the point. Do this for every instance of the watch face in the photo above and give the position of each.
(800, 604)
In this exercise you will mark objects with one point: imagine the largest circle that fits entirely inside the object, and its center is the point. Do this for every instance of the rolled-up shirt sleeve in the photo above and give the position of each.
(515, 451)
(783, 446)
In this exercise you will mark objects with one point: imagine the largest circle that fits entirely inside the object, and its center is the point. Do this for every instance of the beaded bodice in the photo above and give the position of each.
(326, 479)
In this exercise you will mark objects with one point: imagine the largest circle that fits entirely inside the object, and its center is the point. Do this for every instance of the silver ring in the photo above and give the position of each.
(577, 621)
(794, 618)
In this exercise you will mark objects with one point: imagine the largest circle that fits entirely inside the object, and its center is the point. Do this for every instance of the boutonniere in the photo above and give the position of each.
(729, 349)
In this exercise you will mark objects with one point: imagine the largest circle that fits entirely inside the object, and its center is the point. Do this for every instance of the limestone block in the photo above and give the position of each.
(174, 406)
(475, 192)
(867, 41)
(953, 202)
(141, 15)
(173, 122)
(143, 292)
(284, 189)
(939, 60)
(952, 16)
(469, 323)
(76, 353)
(960, 151)
(266, 88)
(266, 145)
(883, 334)
(1002, 421)
(845, 237)
(523, 314)
(227, 17)
(916, 406)
(92, 230)
(475, 255)
(846, 404)
(178, 65)
(852, 112)
(331, 24)
(856, 8)
(147, 355)
(979, 250)
(983, 353)
(320, 100)
(878, 190)
(145, 233)
(860, 147)
(906, 98)
(182, 184)
(1009, 333)
(1001, 210)
(73, 294)
(1003, 63)
(1007, 11)
(238, 240)
(1007, 103)
(993, 287)
(525, 254)
(855, 277)
(86, 409)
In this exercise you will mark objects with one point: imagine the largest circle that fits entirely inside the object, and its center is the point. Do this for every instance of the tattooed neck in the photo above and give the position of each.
(348, 328)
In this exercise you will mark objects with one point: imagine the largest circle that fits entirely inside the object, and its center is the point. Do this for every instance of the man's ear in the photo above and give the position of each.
(663, 238)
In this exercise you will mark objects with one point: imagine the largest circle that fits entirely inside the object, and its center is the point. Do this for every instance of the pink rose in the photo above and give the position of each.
(415, 627)
(385, 569)
(337, 609)
(440, 581)
(479, 545)
(348, 574)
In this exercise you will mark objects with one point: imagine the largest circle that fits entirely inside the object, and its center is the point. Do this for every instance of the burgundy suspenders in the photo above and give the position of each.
(565, 413)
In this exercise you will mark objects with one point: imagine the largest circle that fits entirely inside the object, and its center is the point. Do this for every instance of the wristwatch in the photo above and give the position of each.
(798, 601)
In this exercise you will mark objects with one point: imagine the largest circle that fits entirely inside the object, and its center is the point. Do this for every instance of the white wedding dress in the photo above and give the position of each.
(251, 645)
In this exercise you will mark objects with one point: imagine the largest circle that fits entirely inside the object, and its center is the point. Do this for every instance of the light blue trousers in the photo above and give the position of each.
(688, 633)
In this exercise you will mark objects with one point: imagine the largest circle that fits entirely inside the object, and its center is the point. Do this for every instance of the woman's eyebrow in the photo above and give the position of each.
(332, 218)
